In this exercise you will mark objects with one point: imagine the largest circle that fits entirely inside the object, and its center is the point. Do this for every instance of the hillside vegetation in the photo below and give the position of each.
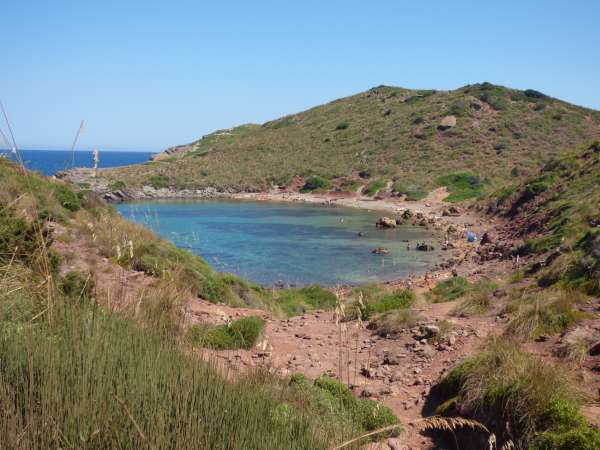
(557, 213)
(470, 139)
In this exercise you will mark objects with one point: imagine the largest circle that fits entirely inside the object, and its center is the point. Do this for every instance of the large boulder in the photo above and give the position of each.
(447, 123)
(386, 222)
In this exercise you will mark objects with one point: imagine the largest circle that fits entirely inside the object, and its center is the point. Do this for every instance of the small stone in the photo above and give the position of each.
(396, 444)
(367, 392)
(431, 330)
(385, 390)
(451, 339)
(391, 360)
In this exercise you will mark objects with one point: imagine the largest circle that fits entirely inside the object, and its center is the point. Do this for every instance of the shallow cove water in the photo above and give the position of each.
(297, 244)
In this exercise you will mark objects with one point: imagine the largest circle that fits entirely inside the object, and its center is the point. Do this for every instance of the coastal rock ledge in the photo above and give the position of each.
(84, 177)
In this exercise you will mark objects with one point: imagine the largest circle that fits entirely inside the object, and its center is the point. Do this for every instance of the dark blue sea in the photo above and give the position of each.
(49, 162)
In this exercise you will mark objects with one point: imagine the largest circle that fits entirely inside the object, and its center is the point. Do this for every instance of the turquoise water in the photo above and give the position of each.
(296, 244)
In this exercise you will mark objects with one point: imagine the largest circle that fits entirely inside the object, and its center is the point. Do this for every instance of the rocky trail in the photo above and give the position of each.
(399, 370)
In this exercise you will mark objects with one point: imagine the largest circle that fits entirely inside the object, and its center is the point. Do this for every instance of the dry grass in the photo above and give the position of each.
(451, 424)
(477, 300)
(546, 312)
(523, 389)
(393, 322)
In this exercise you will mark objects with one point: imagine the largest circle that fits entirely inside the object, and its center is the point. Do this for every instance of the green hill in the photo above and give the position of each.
(489, 133)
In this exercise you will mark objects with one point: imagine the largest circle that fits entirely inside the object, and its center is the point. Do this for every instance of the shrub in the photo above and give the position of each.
(462, 186)
(502, 380)
(412, 191)
(241, 333)
(117, 186)
(370, 414)
(449, 290)
(75, 286)
(583, 437)
(477, 300)
(398, 300)
(314, 182)
(530, 93)
(17, 236)
(374, 187)
(299, 300)
(67, 198)
(459, 108)
(392, 322)
(342, 126)
(159, 181)
(544, 313)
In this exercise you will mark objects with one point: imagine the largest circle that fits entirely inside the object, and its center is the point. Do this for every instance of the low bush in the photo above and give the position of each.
(449, 290)
(392, 322)
(462, 186)
(548, 312)
(241, 333)
(477, 300)
(67, 198)
(77, 286)
(374, 187)
(369, 306)
(159, 181)
(532, 395)
(18, 237)
(412, 191)
(332, 397)
(117, 186)
(313, 183)
(296, 301)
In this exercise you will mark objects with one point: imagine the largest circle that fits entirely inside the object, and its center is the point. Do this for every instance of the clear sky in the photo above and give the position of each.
(147, 75)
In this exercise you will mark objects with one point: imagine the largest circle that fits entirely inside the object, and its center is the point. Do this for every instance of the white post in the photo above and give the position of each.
(96, 160)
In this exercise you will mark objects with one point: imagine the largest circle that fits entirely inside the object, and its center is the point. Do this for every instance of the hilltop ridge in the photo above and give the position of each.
(390, 139)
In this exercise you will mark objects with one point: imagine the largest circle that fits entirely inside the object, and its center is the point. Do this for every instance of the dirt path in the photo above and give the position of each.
(398, 370)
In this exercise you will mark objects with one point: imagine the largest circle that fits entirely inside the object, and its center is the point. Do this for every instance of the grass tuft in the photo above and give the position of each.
(241, 333)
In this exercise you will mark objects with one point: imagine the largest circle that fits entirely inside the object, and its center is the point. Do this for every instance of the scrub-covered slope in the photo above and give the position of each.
(387, 134)
(557, 213)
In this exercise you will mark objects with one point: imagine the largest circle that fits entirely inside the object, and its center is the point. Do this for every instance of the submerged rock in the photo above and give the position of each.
(380, 251)
(423, 247)
(386, 222)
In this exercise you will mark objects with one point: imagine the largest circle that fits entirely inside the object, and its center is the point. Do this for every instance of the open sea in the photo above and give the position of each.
(49, 162)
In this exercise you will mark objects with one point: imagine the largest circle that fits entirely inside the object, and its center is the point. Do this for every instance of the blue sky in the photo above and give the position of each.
(147, 75)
